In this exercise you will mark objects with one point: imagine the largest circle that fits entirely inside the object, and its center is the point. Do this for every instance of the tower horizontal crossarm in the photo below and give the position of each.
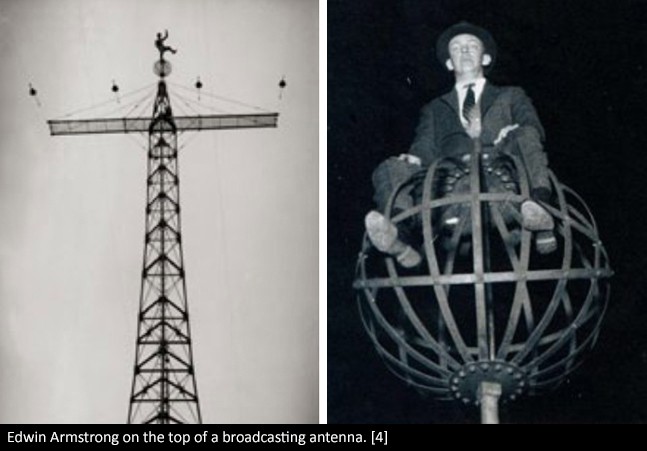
(182, 123)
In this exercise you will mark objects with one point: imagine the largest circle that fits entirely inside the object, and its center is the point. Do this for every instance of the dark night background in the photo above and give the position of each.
(584, 64)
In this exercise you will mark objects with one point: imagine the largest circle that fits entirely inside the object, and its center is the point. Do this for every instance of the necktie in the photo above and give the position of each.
(469, 102)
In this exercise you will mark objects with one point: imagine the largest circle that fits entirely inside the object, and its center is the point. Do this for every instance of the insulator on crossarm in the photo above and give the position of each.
(33, 93)
(282, 85)
(115, 89)
(198, 86)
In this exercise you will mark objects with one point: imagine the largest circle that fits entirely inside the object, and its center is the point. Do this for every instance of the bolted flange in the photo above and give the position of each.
(465, 382)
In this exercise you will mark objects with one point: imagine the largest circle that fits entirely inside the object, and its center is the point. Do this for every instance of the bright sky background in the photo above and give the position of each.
(72, 208)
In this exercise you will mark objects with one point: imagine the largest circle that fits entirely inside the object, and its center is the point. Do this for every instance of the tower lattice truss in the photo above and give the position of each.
(164, 388)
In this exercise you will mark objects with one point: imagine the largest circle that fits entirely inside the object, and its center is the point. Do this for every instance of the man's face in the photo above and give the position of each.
(466, 55)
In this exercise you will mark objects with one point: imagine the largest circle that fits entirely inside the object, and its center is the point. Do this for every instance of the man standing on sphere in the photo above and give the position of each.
(502, 118)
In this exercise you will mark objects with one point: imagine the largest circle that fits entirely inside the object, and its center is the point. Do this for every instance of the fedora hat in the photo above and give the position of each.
(442, 45)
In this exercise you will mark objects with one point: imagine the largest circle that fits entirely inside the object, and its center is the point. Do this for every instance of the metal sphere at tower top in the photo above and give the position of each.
(485, 306)
(162, 68)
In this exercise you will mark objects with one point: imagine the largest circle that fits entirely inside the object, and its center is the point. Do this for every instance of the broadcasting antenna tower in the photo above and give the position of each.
(164, 388)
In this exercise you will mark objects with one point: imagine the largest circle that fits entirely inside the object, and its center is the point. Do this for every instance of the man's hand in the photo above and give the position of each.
(504, 132)
(411, 159)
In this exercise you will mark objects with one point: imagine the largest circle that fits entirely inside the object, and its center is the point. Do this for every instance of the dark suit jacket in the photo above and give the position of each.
(441, 134)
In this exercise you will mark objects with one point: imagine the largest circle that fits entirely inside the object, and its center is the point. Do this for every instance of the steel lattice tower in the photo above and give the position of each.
(164, 388)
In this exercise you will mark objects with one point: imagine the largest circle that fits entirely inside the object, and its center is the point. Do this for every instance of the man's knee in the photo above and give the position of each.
(390, 174)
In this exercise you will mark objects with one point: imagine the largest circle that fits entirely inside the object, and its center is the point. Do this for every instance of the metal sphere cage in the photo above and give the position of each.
(162, 68)
(485, 306)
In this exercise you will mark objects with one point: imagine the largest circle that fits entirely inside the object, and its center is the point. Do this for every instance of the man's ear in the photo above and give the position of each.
(487, 59)
(449, 64)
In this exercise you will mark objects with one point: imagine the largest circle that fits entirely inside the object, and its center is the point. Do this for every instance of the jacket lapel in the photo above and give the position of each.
(489, 95)
(451, 98)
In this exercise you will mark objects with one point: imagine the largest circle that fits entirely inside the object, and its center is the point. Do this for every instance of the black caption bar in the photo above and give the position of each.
(201, 436)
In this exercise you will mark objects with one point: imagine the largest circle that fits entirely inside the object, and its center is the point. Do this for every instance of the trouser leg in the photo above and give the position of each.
(535, 161)
(534, 216)
(390, 174)
(394, 239)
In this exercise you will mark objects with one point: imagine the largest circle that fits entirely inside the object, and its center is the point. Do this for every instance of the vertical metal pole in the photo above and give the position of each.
(489, 394)
(477, 248)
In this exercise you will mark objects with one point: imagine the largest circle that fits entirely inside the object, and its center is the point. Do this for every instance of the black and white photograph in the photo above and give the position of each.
(159, 227)
(486, 212)
(165, 217)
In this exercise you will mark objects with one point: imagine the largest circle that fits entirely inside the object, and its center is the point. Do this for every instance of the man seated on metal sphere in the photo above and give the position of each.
(159, 44)
(502, 118)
